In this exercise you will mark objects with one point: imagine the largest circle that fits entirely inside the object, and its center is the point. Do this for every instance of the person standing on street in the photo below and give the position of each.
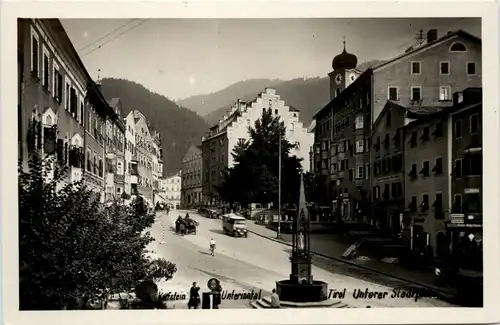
(194, 296)
(212, 246)
(275, 300)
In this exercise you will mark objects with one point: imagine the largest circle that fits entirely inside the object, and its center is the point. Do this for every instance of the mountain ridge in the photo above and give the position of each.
(308, 95)
(205, 104)
(178, 126)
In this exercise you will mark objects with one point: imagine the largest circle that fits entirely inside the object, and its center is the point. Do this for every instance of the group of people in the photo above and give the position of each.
(185, 225)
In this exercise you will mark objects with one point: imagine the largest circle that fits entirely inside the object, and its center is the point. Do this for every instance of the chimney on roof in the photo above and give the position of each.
(432, 35)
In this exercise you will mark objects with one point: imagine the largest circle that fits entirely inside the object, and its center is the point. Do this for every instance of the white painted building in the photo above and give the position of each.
(131, 171)
(171, 190)
(296, 132)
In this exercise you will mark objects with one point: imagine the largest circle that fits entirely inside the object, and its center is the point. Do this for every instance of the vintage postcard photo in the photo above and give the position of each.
(198, 166)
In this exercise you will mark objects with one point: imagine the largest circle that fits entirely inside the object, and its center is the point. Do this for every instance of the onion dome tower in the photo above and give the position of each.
(344, 60)
(344, 72)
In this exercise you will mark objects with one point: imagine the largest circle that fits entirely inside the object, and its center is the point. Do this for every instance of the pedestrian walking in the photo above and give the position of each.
(275, 300)
(212, 246)
(194, 297)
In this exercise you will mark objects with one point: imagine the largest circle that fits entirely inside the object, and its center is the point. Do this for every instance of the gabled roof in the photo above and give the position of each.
(192, 149)
(388, 105)
(422, 48)
(114, 102)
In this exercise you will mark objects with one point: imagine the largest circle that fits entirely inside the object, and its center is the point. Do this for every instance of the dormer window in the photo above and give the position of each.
(458, 47)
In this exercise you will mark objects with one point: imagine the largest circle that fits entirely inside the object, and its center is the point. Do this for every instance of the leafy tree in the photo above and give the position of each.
(73, 250)
(255, 176)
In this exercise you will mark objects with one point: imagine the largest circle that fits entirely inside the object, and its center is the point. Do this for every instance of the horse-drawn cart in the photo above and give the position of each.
(185, 226)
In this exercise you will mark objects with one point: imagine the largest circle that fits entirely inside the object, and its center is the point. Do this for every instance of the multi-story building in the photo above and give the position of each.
(342, 140)
(426, 176)
(171, 190)
(424, 76)
(191, 186)
(61, 109)
(465, 181)
(218, 145)
(131, 167)
(436, 179)
(146, 157)
(115, 153)
(157, 160)
(95, 141)
(387, 156)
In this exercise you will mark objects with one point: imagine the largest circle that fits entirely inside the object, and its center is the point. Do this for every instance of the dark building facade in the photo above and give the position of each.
(427, 171)
(192, 171)
(443, 174)
(387, 181)
(466, 217)
(342, 144)
(214, 153)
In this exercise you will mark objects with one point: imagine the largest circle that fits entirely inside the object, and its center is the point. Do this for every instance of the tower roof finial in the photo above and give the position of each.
(344, 59)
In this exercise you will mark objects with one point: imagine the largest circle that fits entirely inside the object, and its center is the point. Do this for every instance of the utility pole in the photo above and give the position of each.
(278, 233)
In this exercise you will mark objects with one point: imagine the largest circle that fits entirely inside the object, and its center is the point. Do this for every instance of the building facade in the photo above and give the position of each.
(115, 153)
(192, 173)
(387, 156)
(56, 98)
(423, 77)
(146, 163)
(342, 141)
(171, 190)
(437, 179)
(426, 177)
(428, 75)
(131, 163)
(222, 138)
(157, 161)
(466, 218)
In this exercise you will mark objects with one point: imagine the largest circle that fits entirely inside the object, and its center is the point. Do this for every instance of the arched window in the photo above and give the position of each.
(337, 92)
(458, 47)
(48, 120)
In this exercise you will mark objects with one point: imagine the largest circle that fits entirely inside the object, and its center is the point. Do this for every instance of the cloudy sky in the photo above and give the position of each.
(179, 58)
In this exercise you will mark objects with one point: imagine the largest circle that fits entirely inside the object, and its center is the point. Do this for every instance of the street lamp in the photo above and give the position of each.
(278, 233)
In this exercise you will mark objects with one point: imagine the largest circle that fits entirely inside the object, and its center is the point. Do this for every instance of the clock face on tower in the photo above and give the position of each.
(338, 79)
(352, 77)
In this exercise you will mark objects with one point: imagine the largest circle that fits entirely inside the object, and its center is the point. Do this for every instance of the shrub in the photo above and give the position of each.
(73, 250)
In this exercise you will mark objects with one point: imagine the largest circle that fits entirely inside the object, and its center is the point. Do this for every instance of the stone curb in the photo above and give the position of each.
(441, 294)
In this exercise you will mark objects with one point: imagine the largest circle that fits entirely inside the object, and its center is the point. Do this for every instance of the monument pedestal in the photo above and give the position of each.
(301, 270)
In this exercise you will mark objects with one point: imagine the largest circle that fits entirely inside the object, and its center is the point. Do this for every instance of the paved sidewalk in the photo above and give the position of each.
(328, 250)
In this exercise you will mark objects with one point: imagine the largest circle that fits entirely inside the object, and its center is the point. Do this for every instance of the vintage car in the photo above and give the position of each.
(234, 225)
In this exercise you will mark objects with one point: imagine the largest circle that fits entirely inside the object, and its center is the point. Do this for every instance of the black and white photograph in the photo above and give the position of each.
(250, 164)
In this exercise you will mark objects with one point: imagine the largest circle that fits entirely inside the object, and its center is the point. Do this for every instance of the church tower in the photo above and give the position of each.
(344, 72)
